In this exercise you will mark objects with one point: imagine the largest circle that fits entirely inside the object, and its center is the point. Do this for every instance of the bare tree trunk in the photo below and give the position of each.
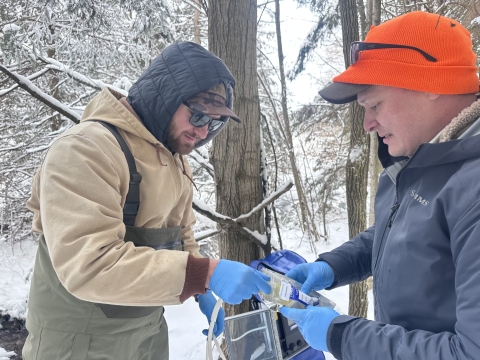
(472, 12)
(377, 12)
(275, 180)
(196, 22)
(236, 151)
(369, 10)
(363, 18)
(375, 168)
(357, 163)
(374, 173)
(308, 224)
(56, 120)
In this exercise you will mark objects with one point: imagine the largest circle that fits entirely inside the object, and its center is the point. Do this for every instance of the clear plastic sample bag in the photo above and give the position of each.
(264, 334)
(286, 292)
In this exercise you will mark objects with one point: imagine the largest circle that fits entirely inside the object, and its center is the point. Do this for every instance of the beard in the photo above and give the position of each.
(176, 141)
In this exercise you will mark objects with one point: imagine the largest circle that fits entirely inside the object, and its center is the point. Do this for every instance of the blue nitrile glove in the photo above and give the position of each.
(314, 276)
(313, 323)
(207, 303)
(233, 282)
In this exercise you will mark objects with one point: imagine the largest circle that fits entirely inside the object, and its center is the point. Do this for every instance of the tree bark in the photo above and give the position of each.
(196, 23)
(374, 164)
(357, 163)
(363, 18)
(374, 174)
(377, 12)
(235, 155)
(56, 120)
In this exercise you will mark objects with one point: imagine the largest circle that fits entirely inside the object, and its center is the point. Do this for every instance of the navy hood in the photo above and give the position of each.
(182, 70)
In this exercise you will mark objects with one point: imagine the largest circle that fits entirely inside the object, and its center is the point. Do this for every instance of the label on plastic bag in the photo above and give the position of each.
(304, 298)
(285, 290)
(290, 292)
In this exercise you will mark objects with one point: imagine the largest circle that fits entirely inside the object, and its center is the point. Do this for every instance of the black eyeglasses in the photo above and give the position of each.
(199, 119)
(357, 46)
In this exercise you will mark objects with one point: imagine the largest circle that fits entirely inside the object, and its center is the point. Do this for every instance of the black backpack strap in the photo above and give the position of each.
(132, 201)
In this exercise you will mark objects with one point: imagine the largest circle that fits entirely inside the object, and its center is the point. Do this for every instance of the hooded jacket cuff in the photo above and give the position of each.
(343, 270)
(195, 277)
(335, 334)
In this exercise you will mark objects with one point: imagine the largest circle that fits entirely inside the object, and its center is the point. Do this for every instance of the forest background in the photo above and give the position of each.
(312, 158)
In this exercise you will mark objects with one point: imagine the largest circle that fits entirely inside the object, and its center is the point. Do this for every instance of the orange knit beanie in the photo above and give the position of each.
(454, 72)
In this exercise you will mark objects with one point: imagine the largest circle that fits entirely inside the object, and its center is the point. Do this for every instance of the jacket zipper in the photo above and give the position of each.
(394, 208)
(392, 214)
(393, 211)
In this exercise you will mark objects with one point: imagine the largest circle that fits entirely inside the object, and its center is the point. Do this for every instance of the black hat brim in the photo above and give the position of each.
(341, 93)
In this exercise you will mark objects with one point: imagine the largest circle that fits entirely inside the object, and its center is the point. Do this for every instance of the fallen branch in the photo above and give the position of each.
(94, 83)
(226, 222)
(206, 234)
(38, 94)
(31, 77)
(283, 189)
(202, 162)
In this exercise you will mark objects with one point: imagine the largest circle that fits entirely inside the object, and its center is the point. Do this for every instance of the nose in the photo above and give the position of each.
(201, 132)
(369, 122)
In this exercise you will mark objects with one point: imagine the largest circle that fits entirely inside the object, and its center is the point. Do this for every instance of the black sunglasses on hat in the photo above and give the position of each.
(199, 119)
(342, 93)
(357, 46)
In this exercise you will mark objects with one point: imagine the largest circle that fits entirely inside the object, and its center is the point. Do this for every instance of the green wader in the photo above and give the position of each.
(63, 327)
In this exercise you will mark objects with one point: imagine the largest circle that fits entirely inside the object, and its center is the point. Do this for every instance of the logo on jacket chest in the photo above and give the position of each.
(419, 198)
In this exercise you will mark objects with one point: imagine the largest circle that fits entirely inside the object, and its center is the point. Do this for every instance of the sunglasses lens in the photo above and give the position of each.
(216, 125)
(354, 51)
(198, 119)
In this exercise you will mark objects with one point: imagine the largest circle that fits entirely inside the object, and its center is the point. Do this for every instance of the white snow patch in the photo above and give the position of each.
(5, 355)
(207, 208)
(16, 262)
(10, 28)
(260, 237)
(356, 153)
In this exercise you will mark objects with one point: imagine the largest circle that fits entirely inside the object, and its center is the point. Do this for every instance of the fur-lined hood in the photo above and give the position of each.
(462, 126)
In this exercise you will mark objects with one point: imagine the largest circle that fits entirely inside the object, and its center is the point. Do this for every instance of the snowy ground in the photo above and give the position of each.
(185, 322)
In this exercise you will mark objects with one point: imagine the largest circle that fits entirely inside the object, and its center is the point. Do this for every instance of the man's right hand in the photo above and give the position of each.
(313, 323)
(233, 281)
(314, 276)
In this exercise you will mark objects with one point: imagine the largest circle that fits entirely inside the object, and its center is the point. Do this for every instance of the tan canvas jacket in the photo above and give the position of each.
(77, 198)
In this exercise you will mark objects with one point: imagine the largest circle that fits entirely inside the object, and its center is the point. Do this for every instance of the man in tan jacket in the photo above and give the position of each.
(112, 203)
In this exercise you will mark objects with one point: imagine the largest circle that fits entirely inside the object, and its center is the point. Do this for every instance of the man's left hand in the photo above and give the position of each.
(207, 303)
(313, 323)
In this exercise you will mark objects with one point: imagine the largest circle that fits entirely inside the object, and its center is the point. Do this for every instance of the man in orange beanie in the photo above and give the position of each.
(416, 77)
